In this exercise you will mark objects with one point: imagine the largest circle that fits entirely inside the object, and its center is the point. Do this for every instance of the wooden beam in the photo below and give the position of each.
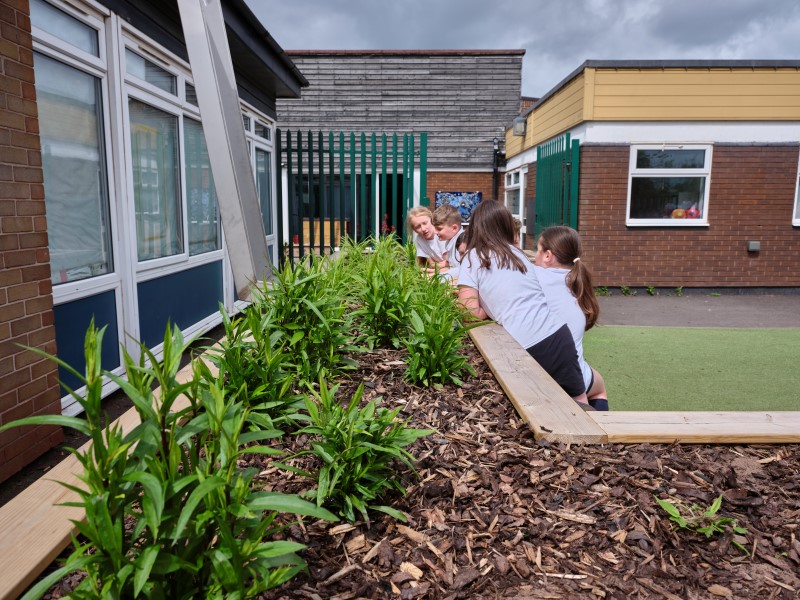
(547, 409)
(700, 427)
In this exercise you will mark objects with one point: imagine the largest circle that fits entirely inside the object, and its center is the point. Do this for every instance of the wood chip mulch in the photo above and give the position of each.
(495, 514)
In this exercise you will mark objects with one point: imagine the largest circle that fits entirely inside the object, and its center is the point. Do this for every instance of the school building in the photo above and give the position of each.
(676, 173)
(107, 204)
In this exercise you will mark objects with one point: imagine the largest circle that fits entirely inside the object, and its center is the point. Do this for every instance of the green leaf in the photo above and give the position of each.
(197, 496)
(144, 565)
(392, 512)
(63, 421)
(670, 508)
(288, 503)
(43, 585)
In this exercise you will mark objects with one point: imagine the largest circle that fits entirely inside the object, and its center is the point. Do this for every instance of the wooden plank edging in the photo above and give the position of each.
(547, 409)
(780, 427)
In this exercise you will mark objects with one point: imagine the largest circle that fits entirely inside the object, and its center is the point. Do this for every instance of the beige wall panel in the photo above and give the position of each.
(709, 113)
(709, 91)
(514, 144)
(661, 101)
(559, 113)
(681, 76)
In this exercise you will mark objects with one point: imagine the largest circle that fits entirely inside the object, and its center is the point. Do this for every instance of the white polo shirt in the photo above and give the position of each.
(428, 248)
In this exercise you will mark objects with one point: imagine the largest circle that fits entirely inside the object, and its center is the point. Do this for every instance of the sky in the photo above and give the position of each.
(558, 35)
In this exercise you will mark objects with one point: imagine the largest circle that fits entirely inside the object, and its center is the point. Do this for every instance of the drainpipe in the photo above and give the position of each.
(495, 165)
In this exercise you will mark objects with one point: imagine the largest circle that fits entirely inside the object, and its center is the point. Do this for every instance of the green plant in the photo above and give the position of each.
(357, 446)
(679, 291)
(626, 291)
(702, 520)
(651, 290)
(168, 513)
(311, 317)
(715, 294)
(434, 339)
(255, 369)
(602, 291)
(384, 292)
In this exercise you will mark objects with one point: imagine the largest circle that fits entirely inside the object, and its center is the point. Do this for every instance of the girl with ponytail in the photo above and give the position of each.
(567, 285)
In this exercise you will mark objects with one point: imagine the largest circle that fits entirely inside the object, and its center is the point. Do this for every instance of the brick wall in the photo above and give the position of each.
(452, 181)
(751, 197)
(28, 383)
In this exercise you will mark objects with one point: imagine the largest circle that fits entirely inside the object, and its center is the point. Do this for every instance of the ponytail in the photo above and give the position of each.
(579, 282)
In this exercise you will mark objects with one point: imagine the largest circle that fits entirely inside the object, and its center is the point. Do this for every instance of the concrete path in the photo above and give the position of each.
(740, 310)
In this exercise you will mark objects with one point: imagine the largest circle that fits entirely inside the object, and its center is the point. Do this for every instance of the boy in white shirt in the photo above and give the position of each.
(447, 222)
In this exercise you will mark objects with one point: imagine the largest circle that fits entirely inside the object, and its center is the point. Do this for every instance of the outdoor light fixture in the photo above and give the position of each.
(519, 124)
(496, 144)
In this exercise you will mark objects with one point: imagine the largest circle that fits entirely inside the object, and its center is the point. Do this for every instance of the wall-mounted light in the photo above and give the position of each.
(496, 144)
(518, 126)
(753, 246)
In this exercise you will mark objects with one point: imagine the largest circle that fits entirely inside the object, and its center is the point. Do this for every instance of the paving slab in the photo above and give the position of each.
(735, 310)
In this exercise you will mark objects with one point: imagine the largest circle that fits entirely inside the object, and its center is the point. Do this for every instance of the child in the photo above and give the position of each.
(497, 281)
(568, 288)
(429, 249)
(447, 222)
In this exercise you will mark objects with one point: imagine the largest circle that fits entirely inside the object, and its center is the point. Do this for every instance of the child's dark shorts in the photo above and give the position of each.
(557, 355)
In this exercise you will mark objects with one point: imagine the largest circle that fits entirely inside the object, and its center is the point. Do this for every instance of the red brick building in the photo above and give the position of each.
(688, 171)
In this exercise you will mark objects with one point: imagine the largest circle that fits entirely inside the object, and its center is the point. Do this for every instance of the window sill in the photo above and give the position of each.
(667, 223)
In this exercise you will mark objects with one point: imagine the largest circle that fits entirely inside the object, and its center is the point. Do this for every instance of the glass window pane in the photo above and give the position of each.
(667, 197)
(156, 193)
(512, 201)
(65, 27)
(201, 196)
(142, 68)
(670, 159)
(264, 185)
(516, 177)
(191, 94)
(73, 161)
(246, 122)
(262, 130)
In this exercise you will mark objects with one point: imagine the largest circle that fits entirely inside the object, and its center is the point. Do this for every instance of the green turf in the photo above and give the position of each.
(684, 368)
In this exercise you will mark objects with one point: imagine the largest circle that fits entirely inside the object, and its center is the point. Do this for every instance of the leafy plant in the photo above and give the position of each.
(702, 520)
(651, 290)
(311, 317)
(435, 336)
(255, 369)
(679, 291)
(626, 291)
(602, 291)
(168, 512)
(715, 294)
(384, 292)
(357, 446)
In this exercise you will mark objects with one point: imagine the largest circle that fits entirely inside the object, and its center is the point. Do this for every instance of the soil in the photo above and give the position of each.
(494, 513)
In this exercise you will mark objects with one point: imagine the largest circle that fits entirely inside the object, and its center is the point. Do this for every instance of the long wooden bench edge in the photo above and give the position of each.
(550, 413)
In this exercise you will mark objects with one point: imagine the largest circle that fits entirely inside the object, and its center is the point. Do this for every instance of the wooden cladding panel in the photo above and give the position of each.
(462, 101)
(559, 113)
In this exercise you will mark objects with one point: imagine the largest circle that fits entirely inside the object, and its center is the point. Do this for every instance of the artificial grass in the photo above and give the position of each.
(693, 369)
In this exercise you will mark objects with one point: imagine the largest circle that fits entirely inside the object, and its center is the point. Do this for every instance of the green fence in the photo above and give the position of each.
(557, 163)
(337, 184)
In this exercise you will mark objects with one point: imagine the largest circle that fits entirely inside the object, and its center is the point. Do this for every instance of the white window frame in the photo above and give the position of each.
(521, 176)
(633, 171)
(796, 212)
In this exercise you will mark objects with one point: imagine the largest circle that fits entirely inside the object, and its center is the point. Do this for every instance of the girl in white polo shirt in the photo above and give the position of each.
(567, 285)
(497, 281)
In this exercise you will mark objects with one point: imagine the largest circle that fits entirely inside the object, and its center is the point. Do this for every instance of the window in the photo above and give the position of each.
(156, 189)
(150, 72)
(74, 165)
(262, 131)
(264, 186)
(513, 198)
(201, 197)
(64, 27)
(669, 185)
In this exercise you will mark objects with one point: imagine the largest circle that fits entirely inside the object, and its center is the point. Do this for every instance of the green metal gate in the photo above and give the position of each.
(557, 177)
(335, 185)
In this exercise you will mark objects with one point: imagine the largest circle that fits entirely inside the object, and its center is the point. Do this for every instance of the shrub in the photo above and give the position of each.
(168, 512)
(435, 336)
(357, 447)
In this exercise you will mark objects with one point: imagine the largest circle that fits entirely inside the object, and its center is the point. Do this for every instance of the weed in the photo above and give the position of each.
(703, 520)
(715, 294)
(602, 291)
(626, 291)
(651, 290)
(679, 291)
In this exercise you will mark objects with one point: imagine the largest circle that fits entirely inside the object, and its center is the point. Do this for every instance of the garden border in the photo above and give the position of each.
(553, 416)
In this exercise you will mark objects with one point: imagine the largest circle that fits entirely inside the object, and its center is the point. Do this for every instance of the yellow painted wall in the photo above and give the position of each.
(687, 94)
